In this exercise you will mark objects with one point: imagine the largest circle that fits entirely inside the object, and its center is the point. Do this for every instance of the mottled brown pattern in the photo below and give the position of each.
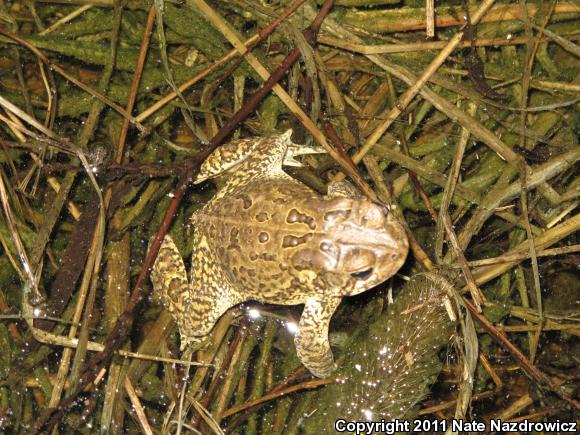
(293, 241)
(295, 216)
(267, 237)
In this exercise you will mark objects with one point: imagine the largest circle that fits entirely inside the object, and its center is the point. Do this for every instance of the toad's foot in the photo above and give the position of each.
(295, 150)
(311, 340)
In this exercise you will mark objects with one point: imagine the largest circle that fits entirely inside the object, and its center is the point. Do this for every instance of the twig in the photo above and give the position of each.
(529, 368)
(490, 371)
(551, 236)
(408, 19)
(530, 57)
(405, 145)
(233, 348)
(430, 18)
(26, 272)
(450, 403)
(452, 178)
(249, 44)
(223, 27)
(406, 98)
(496, 198)
(278, 393)
(562, 42)
(248, 410)
(141, 417)
(140, 65)
(65, 19)
(523, 256)
(341, 149)
(468, 122)
(54, 66)
(430, 45)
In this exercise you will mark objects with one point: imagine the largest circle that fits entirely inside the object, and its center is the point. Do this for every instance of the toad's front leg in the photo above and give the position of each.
(311, 341)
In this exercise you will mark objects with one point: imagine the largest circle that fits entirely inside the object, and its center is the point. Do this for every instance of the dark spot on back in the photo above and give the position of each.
(247, 272)
(292, 216)
(263, 237)
(234, 241)
(268, 257)
(262, 217)
(247, 201)
(295, 216)
(292, 241)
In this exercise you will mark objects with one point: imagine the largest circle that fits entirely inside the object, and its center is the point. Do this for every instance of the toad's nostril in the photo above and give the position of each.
(363, 274)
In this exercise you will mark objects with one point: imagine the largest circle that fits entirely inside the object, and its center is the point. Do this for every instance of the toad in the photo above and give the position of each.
(267, 237)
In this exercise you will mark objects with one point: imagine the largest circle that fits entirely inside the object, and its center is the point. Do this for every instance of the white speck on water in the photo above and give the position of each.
(253, 313)
(292, 327)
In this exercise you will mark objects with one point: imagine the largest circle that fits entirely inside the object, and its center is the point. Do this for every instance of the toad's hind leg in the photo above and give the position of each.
(311, 340)
(195, 306)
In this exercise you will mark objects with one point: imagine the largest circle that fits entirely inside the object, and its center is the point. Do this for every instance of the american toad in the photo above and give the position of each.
(267, 237)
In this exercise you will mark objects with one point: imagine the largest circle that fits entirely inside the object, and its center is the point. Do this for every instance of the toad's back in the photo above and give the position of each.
(258, 230)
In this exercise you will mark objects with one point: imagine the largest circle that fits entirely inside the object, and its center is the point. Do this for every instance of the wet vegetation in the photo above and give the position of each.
(463, 119)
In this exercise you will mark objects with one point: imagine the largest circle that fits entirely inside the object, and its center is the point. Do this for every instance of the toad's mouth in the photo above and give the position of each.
(363, 274)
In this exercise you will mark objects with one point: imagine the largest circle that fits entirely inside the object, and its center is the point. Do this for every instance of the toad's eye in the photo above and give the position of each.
(362, 275)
